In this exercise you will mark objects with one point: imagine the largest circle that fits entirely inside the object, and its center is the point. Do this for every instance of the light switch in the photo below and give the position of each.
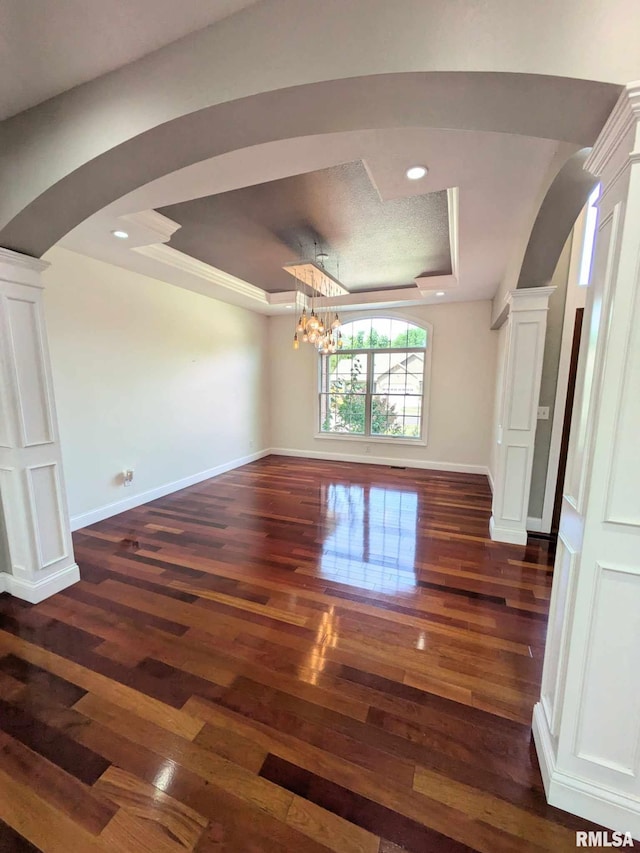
(543, 413)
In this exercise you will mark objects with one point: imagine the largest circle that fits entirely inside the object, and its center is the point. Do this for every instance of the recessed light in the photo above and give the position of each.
(414, 173)
(288, 306)
(440, 293)
(121, 235)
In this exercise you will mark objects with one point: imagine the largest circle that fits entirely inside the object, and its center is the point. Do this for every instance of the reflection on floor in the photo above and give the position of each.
(371, 535)
(294, 656)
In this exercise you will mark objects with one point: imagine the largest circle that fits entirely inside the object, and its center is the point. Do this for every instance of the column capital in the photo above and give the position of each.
(530, 298)
(620, 124)
(21, 269)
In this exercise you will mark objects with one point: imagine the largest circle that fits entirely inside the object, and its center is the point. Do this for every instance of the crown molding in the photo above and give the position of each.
(158, 224)
(625, 114)
(276, 302)
(530, 298)
(173, 258)
(17, 259)
(427, 284)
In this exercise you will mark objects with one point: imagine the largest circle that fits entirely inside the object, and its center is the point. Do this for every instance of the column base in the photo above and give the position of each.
(507, 534)
(579, 796)
(36, 591)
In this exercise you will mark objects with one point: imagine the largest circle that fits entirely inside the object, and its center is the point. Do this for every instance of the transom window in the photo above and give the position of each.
(374, 386)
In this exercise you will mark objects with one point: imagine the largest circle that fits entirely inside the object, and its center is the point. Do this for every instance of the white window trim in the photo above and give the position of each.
(423, 439)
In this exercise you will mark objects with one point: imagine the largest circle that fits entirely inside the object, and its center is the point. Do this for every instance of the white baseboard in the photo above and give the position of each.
(507, 534)
(36, 591)
(490, 479)
(99, 514)
(578, 796)
(453, 467)
(109, 510)
(535, 524)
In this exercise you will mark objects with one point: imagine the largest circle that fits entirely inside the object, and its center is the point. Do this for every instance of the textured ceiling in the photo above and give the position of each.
(251, 233)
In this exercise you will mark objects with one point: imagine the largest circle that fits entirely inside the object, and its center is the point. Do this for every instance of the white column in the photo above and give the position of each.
(36, 553)
(587, 723)
(518, 412)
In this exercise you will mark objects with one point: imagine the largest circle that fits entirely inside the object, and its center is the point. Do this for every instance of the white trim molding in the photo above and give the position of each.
(108, 510)
(366, 459)
(14, 259)
(161, 227)
(517, 418)
(36, 589)
(33, 503)
(577, 795)
(620, 124)
(174, 258)
(588, 742)
(506, 534)
(150, 232)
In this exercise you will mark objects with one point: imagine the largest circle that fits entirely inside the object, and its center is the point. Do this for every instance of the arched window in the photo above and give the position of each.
(374, 385)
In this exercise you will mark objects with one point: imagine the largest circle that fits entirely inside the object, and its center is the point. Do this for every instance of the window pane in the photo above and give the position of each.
(380, 337)
(411, 427)
(381, 368)
(348, 373)
(384, 418)
(356, 335)
(394, 397)
(350, 414)
(381, 333)
(398, 335)
(416, 337)
(342, 413)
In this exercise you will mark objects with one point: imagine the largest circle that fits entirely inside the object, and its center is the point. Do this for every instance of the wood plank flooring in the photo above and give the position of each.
(294, 656)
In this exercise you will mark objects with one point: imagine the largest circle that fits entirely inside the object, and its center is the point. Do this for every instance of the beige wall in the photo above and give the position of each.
(460, 399)
(148, 376)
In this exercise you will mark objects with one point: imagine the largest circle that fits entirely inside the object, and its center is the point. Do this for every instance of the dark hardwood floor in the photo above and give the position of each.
(294, 656)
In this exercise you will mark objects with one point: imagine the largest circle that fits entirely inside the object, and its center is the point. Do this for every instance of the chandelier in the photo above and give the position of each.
(318, 323)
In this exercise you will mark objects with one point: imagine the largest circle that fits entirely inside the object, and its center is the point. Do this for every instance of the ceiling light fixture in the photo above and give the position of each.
(440, 293)
(322, 328)
(121, 235)
(414, 173)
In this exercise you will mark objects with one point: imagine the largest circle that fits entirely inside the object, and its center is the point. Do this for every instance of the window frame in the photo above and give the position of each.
(367, 437)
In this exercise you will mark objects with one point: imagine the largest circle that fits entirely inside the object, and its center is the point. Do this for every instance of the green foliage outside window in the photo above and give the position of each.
(350, 410)
(413, 337)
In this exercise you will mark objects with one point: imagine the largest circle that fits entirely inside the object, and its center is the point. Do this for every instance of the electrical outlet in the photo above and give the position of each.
(127, 477)
(251, 443)
(367, 448)
(543, 413)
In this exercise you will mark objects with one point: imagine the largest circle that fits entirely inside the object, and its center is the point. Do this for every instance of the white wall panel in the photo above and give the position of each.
(623, 493)
(30, 379)
(514, 483)
(522, 377)
(46, 502)
(559, 627)
(611, 675)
